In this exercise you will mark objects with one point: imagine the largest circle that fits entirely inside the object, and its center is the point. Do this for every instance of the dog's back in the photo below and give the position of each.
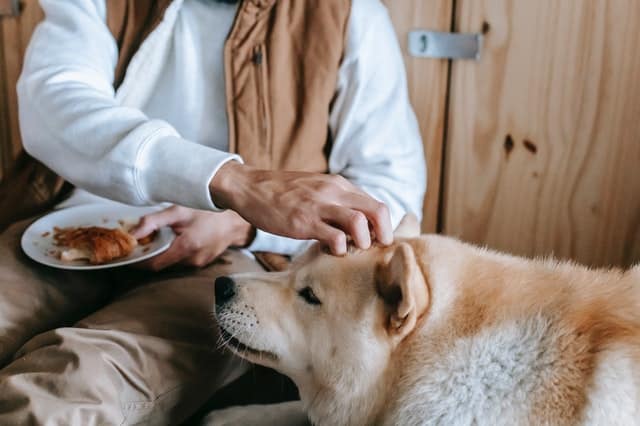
(514, 341)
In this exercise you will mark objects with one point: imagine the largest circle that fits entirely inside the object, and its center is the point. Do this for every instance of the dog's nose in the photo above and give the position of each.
(225, 290)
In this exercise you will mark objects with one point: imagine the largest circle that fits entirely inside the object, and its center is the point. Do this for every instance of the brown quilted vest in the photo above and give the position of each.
(281, 63)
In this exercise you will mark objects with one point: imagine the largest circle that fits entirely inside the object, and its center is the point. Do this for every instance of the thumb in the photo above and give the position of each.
(154, 221)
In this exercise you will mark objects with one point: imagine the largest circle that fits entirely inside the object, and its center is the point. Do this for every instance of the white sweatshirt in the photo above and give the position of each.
(162, 135)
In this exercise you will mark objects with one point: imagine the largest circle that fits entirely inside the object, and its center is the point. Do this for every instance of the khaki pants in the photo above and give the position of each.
(146, 352)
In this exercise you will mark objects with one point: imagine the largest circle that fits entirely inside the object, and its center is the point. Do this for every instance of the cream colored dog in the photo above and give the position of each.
(434, 331)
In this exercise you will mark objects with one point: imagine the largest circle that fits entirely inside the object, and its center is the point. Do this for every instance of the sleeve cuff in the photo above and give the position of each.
(172, 169)
(265, 241)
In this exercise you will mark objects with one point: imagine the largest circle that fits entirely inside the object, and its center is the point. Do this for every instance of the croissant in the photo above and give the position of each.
(95, 244)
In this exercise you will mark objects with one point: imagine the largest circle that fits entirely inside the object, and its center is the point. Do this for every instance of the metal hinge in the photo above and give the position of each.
(9, 7)
(434, 44)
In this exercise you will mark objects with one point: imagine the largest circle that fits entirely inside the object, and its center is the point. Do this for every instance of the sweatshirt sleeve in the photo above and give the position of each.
(376, 139)
(377, 142)
(71, 121)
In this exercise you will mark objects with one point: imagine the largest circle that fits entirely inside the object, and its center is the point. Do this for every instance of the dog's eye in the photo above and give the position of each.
(309, 296)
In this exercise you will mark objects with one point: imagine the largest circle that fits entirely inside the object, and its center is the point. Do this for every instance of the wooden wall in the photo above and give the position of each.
(543, 149)
(15, 33)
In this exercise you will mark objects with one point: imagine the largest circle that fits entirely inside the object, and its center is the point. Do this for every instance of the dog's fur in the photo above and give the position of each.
(434, 331)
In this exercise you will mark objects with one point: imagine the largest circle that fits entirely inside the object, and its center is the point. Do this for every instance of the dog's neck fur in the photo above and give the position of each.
(355, 407)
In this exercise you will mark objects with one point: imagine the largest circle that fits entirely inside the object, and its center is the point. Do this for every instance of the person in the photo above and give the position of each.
(259, 125)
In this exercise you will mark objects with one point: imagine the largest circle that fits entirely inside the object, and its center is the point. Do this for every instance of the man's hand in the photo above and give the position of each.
(201, 236)
(302, 205)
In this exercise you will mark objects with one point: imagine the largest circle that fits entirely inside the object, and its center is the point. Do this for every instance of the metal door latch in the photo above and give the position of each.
(434, 44)
(9, 7)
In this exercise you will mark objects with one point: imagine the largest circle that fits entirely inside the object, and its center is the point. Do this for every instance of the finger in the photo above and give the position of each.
(175, 254)
(353, 222)
(376, 213)
(154, 221)
(332, 237)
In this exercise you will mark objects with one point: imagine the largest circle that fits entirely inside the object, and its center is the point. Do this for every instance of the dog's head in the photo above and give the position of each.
(328, 322)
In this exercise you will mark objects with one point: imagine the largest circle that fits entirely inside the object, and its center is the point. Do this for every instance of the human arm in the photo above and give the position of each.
(72, 120)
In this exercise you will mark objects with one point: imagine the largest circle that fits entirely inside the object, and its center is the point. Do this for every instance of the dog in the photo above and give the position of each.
(431, 330)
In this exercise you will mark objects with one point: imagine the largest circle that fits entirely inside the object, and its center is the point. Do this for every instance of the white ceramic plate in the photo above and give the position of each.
(37, 240)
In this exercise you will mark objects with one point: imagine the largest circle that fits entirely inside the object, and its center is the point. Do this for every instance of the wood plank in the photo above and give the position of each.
(15, 35)
(543, 153)
(5, 134)
(427, 79)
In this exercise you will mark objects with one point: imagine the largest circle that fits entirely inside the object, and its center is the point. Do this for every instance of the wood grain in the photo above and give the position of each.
(427, 79)
(544, 149)
(5, 134)
(15, 33)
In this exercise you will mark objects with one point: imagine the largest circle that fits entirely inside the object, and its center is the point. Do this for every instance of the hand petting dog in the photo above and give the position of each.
(302, 205)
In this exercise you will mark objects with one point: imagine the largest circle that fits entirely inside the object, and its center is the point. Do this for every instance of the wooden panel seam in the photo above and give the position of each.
(445, 133)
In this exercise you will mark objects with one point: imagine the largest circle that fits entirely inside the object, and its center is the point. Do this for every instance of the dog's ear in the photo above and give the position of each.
(404, 290)
(409, 227)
